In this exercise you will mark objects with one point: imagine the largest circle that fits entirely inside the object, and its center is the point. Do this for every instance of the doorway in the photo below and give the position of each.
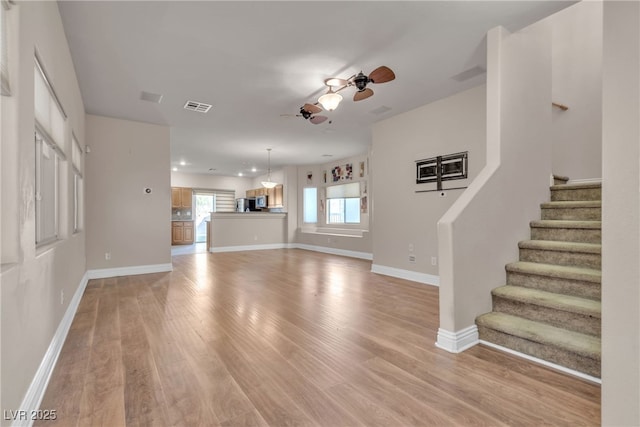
(205, 204)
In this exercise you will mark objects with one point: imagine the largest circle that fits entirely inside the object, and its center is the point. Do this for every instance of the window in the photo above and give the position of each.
(49, 140)
(78, 190)
(310, 205)
(5, 88)
(47, 161)
(343, 204)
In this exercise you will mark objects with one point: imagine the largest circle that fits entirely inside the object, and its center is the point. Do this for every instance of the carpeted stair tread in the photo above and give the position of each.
(576, 186)
(556, 223)
(559, 246)
(572, 304)
(571, 204)
(558, 271)
(574, 342)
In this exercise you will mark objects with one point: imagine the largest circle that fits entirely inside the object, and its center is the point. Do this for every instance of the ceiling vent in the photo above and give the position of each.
(200, 107)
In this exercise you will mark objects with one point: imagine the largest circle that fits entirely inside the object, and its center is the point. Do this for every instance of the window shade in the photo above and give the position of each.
(48, 111)
(76, 155)
(344, 191)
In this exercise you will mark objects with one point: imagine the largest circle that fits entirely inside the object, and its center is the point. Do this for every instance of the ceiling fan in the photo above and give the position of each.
(360, 81)
(309, 112)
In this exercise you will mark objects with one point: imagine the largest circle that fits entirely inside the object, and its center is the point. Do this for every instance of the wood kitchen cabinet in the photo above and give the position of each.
(182, 232)
(276, 196)
(181, 197)
(251, 193)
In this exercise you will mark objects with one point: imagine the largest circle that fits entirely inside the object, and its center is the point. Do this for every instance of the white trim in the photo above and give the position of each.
(241, 248)
(457, 342)
(585, 181)
(427, 279)
(129, 271)
(36, 390)
(543, 362)
(334, 251)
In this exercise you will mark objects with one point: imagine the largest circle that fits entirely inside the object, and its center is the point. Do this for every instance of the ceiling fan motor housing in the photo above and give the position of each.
(305, 113)
(361, 81)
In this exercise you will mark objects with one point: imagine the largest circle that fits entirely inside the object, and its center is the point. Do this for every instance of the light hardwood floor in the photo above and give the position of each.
(289, 337)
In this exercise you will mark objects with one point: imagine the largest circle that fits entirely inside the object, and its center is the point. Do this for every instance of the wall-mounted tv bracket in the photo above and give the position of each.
(442, 168)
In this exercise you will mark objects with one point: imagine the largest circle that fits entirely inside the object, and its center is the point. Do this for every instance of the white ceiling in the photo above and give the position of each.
(255, 61)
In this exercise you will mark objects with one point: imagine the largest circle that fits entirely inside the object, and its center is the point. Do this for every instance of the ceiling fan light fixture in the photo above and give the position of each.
(268, 183)
(330, 100)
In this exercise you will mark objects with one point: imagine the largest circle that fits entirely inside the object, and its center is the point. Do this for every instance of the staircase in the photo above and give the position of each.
(550, 307)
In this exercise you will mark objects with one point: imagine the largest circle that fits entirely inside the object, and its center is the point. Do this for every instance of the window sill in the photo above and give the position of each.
(46, 247)
(332, 231)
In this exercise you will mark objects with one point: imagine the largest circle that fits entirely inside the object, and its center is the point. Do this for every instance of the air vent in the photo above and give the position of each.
(200, 107)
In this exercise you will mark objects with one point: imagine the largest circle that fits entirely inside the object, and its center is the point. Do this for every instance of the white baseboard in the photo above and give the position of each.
(334, 251)
(544, 362)
(414, 276)
(36, 390)
(457, 342)
(104, 273)
(248, 247)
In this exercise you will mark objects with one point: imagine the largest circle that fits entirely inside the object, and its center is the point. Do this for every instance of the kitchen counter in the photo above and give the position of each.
(233, 231)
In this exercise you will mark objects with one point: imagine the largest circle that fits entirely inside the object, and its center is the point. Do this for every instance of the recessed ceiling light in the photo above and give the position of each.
(327, 155)
(253, 169)
(239, 173)
(183, 163)
(175, 169)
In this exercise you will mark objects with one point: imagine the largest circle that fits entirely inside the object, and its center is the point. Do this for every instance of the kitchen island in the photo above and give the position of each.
(242, 231)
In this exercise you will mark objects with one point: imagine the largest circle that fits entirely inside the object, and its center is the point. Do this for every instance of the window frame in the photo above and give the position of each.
(348, 194)
(42, 140)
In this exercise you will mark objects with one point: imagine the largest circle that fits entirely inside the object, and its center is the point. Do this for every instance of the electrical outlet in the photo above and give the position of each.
(412, 259)
(62, 297)
(410, 247)
(255, 237)
(434, 260)
(107, 256)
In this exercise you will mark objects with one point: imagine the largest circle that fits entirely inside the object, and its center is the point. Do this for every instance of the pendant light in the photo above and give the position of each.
(268, 183)
(330, 100)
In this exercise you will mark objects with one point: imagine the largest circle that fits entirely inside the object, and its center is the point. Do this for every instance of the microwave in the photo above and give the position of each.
(261, 201)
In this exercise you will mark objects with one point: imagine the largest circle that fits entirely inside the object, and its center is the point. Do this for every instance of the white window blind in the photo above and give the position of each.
(225, 200)
(310, 205)
(76, 155)
(344, 191)
(50, 116)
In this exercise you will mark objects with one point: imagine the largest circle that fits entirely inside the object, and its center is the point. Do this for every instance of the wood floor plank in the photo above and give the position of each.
(289, 337)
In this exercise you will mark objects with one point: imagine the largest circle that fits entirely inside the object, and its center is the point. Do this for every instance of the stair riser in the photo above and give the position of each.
(576, 288)
(579, 235)
(552, 354)
(572, 214)
(577, 259)
(583, 194)
(563, 319)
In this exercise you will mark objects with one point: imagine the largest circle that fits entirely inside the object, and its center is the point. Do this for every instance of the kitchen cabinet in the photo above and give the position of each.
(182, 232)
(251, 193)
(276, 197)
(181, 197)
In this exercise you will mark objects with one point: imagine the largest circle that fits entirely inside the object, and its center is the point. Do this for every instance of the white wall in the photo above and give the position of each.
(33, 281)
(402, 217)
(620, 215)
(478, 235)
(132, 226)
(577, 83)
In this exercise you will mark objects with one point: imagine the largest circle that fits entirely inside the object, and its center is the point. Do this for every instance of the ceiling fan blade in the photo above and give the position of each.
(312, 108)
(363, 94)
(335, 82)
(382, 75)
(316, 120)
